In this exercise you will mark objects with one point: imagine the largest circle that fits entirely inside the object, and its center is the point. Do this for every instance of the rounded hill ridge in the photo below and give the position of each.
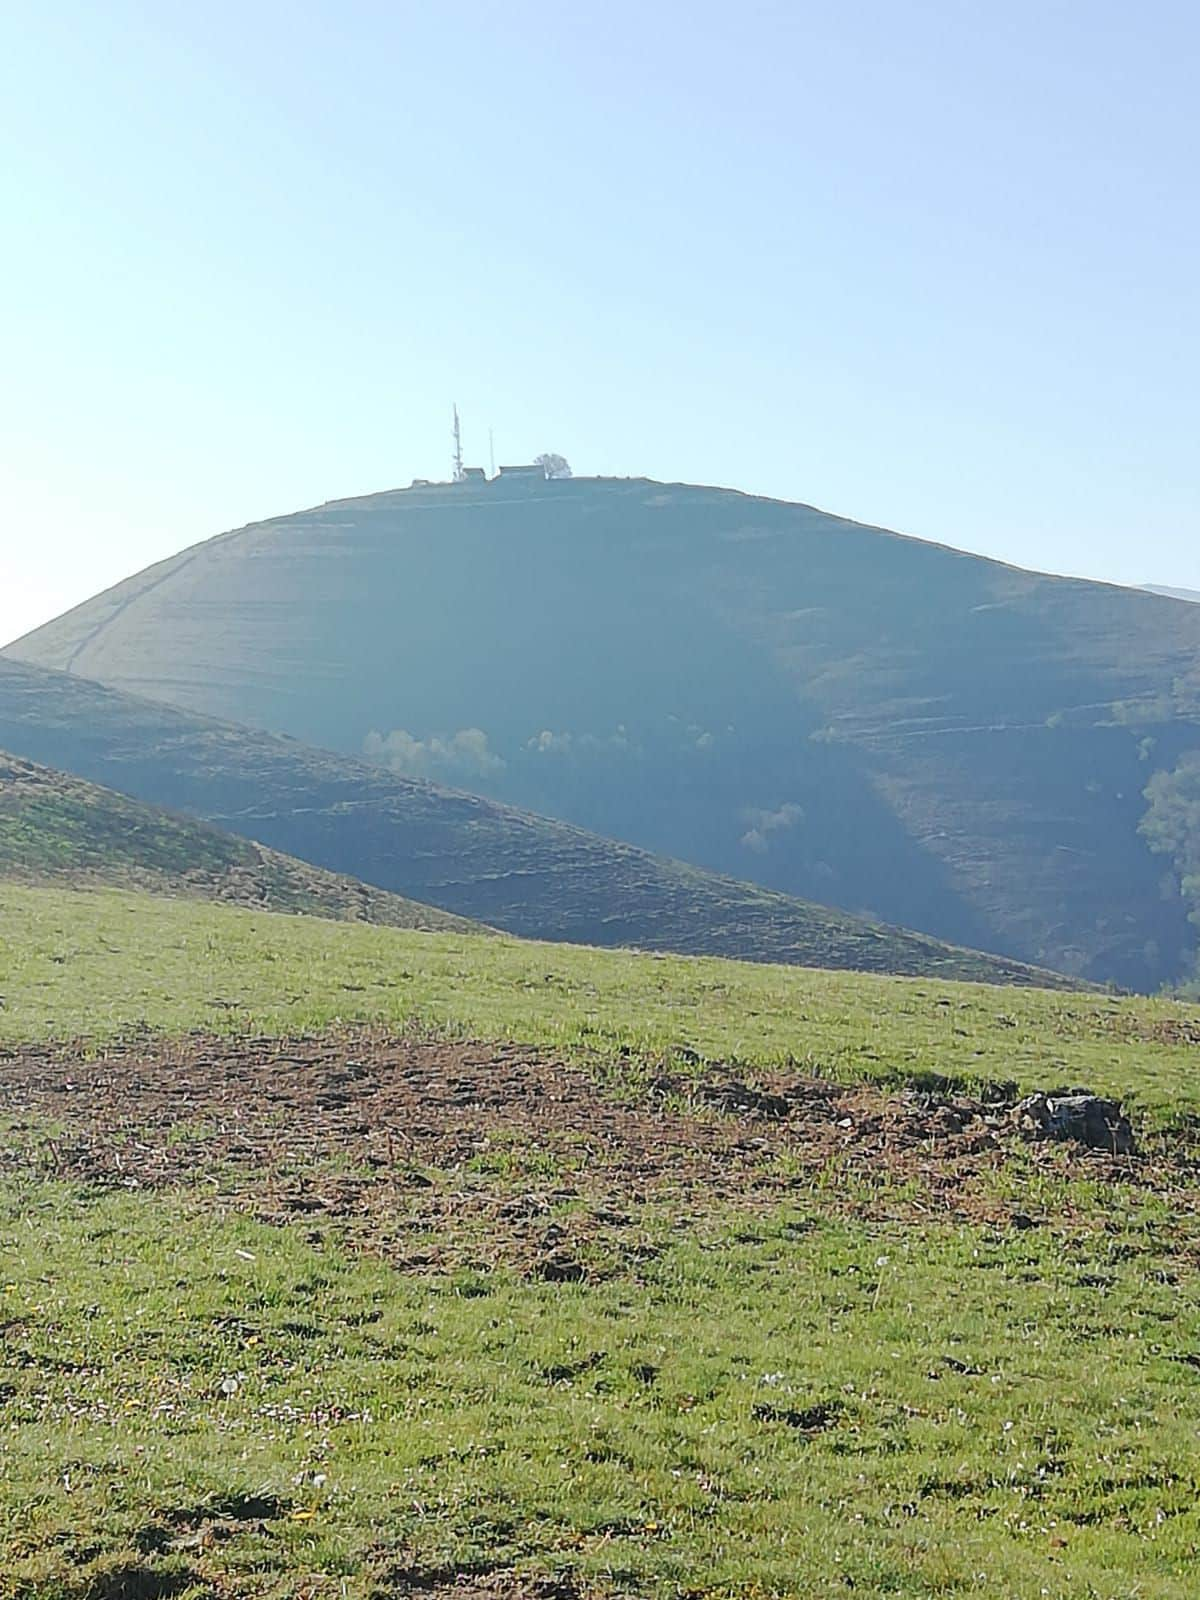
(834, 711)
(444, 848)
(59, 829)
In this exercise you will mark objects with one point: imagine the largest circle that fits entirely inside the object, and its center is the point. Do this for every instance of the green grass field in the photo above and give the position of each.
(827, 1388)
(98, 965)
(988, 1420)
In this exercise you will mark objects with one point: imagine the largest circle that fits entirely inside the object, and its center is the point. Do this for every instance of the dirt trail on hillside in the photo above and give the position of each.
(439, 1154)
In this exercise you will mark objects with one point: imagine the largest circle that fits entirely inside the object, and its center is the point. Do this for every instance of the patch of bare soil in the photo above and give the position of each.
(499, 1584)
(440, 1154)
(1131, 1026)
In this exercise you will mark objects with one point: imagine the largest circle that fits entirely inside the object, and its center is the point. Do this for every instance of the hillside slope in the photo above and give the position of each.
(55, 828)
(467, 855)
(835, 711)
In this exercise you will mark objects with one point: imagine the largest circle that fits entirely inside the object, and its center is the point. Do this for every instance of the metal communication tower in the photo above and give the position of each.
(459, 474)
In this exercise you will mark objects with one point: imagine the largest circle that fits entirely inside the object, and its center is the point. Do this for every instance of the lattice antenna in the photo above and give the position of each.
(459, 474)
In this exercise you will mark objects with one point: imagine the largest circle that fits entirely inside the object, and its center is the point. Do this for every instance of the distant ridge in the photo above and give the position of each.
(1173, 594)
(467, 855)
(55, 828)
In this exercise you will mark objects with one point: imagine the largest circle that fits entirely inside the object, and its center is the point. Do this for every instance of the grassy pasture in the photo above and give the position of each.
(798, 1397)
(791, 1406)
(100, 964)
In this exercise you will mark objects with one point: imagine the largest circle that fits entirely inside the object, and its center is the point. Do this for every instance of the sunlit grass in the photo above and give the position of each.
(794, 1406)
(101, 964)
(754, 1402)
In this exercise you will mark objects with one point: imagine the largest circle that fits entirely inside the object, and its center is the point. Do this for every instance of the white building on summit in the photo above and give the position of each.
(523, 473)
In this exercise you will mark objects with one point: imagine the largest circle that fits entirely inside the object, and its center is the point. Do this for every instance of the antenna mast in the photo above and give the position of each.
(459, 474)
(492, 450)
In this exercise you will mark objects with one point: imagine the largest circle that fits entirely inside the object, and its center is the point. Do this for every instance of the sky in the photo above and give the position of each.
(932, 265)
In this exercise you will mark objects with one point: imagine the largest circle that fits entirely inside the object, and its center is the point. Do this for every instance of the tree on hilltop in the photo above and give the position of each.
(553, 465)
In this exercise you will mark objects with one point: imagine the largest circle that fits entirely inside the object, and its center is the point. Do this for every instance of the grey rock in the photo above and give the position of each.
(1078, 1117)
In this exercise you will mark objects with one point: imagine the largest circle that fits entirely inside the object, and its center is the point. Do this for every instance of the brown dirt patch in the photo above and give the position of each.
(500, 1584)
(1131, 1027)
(440, 1154)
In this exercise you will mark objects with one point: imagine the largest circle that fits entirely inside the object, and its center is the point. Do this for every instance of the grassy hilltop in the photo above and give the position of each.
(359, 1263)
(836, 712)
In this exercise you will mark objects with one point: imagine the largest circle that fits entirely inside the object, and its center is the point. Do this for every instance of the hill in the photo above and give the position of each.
(464, 854)
(840, 713)
(55, 828)
(1173, 594)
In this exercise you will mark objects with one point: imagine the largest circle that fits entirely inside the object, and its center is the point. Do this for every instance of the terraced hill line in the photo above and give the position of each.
(55, 828)
(467, 855)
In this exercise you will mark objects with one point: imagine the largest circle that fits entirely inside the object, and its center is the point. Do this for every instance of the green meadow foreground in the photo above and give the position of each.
(346, 1261)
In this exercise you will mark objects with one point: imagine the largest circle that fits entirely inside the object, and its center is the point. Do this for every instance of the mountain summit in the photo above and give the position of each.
(832, 710)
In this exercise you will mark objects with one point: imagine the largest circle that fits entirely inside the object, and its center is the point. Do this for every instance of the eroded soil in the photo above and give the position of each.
(443, 1154)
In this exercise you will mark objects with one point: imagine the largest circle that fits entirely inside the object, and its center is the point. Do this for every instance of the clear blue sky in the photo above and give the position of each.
(928, 264)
